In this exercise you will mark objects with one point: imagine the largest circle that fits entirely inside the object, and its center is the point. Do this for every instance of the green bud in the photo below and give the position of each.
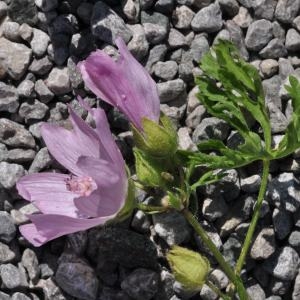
(189, 267)
(158, 140)
(148, 169)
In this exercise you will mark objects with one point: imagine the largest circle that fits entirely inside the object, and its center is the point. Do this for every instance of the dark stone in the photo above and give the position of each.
(23, 11)
(125, 247)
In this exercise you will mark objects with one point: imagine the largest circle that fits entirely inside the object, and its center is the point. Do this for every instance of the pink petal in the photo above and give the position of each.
(66, 146)
(125, 84)
(49, 227)
(48, 192)
(141, 82)
(106, 138)
(110, 196)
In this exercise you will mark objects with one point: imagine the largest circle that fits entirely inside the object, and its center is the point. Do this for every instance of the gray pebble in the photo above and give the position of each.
(40, 66)
(20, 155)
(44, 94)
(213, 209)
(296, 289)
(292, 41)
(107, 25)
(286, 10)
(19, 296)
(184, 140)
(207, 293)
(25, 32)
(46, 5)
(258, 34)
(141, 284)
(15, 58)
(33, 110)
(77, 279)
(157, 53)
(15, 135)
(274, 49)
(6, 255)
(138, 45)
(264, 9)
(294, 239)
(10, 173)
(140, 222)
(283, 191)
(31, 264)
(208, 19)
(165, 70)
(256, 292)
(25, 88)
(170, 90)
(243, 19)
(264, 244)
(23, 11)
(3, 9)
(251, 184)
(58, 81)
(211, 128)
(182, 17)
(13, 277)
(199, 47)
(219, 278)
(172, 227)
(282, 223)
(229, 7)
(39, 42)
(283, 264)
(176, 39)
(11, 31)
(9, 99)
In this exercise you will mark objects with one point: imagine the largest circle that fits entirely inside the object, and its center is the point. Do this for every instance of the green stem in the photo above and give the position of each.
(217, 291)
(150, 208)
(217, 254)
(255, 217)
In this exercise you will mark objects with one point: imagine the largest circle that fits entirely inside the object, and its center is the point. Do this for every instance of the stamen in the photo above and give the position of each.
(82, 186)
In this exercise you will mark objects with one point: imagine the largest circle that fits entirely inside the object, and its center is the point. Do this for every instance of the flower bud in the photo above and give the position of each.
(148, 169)
(189, 267)
(158, 140)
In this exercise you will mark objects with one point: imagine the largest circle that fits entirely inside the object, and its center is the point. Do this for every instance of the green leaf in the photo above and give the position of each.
(291, 139)
(208, 178)
(229, 88)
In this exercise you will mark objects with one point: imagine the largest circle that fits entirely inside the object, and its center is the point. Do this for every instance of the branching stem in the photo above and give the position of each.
(217, 254)
(255, 217)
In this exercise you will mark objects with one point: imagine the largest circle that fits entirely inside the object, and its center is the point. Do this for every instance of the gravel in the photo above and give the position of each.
(41, 43)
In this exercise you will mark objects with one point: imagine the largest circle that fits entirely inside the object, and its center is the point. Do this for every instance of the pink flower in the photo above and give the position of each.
(93, 193)
(124, 84)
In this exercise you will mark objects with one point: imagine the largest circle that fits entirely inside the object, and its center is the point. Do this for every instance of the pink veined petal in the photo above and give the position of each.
(105, 78)
(49, 227)
(66, 146)
(106, 138)
(48, 192)
(141, 82)
(110, 196)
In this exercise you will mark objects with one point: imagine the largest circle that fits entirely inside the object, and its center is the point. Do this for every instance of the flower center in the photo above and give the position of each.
(82, 186)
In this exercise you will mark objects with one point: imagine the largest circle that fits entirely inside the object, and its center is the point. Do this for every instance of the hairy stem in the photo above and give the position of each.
(150, 208)
(255, 217)
(217, 254)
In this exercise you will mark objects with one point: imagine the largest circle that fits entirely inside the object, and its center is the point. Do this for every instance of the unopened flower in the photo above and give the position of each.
(189, 267)
(124, 84)
(93, 193)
